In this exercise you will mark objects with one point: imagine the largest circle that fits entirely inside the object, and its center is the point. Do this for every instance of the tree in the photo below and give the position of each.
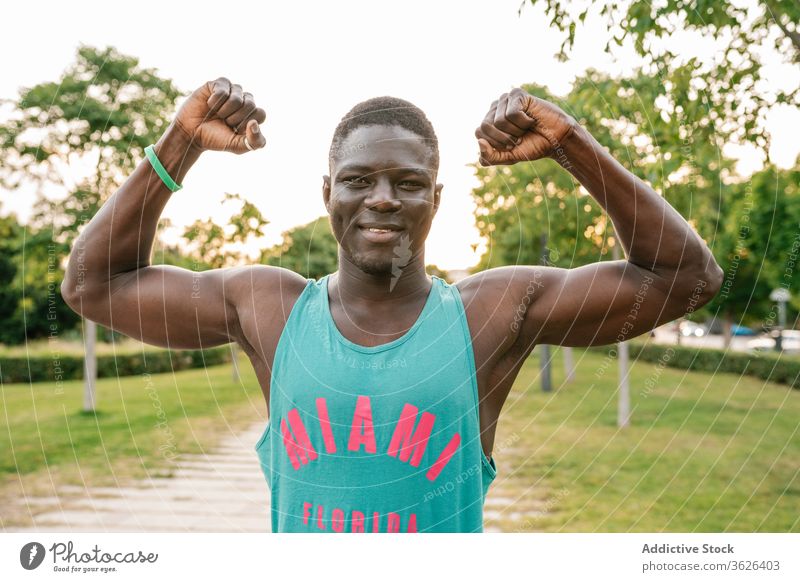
(310, 250)
(515, 205)
(657, 32)
(10, 308)
(213, 246)
(101, 114)
(759, 248)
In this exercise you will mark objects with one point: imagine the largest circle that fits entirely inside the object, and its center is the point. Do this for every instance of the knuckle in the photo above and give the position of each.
(221, 87)
(221, 82)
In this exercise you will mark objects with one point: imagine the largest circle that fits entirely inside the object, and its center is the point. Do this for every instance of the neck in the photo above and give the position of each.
(351, 282)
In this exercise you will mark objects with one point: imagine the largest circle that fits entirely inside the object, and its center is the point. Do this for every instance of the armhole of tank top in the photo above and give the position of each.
(488, 463)
(300, 299)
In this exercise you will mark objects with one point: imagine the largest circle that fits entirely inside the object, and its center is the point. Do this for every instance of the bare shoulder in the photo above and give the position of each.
(500, 287)
(275, 287)
(496, 301)
(262, 298)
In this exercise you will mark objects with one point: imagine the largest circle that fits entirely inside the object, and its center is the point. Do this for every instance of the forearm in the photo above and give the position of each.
(119, 238)
(654, 235)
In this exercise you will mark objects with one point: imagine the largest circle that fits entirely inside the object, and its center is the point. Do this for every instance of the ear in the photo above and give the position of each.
(437, 197)
(326, 192)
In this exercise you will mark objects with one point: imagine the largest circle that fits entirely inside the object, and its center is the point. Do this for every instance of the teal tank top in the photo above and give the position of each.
(375, 439)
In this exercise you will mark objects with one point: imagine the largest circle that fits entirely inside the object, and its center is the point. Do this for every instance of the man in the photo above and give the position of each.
(384, 385)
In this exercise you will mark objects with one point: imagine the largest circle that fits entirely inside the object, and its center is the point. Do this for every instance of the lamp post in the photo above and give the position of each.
(781, 296)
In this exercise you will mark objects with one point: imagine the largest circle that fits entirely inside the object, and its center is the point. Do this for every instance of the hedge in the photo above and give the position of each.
(61, 368)
(766, 366)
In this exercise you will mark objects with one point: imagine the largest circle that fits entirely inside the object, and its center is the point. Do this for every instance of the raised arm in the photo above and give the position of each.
(109, 278)
(668, 270)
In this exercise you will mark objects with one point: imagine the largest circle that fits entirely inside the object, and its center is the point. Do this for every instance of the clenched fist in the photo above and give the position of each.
(220, 116)
(520, 127)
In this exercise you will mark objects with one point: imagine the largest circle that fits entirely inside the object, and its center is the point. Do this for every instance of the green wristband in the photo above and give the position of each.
(161, 170)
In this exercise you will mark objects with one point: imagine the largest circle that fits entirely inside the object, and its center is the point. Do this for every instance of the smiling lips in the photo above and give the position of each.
(380, 233)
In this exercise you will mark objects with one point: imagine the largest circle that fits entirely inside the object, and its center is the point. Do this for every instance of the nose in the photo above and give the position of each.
(382, 198)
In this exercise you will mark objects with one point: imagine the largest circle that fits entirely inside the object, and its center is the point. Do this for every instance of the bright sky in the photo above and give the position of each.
(307, 63)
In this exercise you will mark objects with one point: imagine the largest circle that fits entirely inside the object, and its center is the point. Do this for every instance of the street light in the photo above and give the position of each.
(781, 296)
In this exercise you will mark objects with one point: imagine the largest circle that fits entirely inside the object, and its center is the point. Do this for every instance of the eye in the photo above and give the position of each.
(411, 185)
(356, 181)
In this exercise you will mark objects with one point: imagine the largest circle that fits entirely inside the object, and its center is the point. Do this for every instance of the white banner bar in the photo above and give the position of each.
(618, 557)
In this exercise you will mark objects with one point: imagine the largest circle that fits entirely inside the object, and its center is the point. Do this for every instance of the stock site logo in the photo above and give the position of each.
(31, 555)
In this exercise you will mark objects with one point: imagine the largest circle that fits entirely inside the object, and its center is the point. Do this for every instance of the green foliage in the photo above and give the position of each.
(751, 225)
(30, 297)
(758, 245)
(99, 115)
(668, 146)
(210, 243)
(104, 106)
(659, 32)
(10, 235)
(46, 368)
(310, 250)
(518, 204)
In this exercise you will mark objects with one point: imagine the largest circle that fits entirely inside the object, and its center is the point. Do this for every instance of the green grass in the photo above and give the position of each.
(141, 424)
(703, 453)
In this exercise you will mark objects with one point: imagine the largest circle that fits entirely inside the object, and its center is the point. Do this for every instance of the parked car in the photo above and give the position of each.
(742, 330)
(715, 326)
(691, 329)
(790, 341)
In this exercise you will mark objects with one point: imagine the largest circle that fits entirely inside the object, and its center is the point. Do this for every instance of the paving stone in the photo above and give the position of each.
(222, 490)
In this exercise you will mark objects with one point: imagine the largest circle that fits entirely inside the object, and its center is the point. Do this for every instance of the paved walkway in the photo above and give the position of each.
(223, 491)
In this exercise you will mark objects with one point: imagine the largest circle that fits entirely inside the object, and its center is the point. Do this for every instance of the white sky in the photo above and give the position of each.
(307, 63)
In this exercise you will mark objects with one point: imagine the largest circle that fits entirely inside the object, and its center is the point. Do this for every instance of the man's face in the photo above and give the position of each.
(381, 196)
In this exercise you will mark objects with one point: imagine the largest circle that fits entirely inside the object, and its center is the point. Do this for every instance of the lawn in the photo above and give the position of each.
(142, 423)
(703, 453)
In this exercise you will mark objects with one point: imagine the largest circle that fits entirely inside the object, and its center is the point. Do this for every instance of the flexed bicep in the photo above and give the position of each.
(598, 304)
(170, 307)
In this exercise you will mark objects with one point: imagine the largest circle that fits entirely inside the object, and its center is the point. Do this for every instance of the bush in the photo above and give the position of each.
(779, 369)
(40, 368)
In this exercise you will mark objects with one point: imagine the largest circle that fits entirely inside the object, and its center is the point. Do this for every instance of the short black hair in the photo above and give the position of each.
(385, 111)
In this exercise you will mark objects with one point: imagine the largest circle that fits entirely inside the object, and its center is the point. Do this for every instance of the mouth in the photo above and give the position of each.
(380, 233)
